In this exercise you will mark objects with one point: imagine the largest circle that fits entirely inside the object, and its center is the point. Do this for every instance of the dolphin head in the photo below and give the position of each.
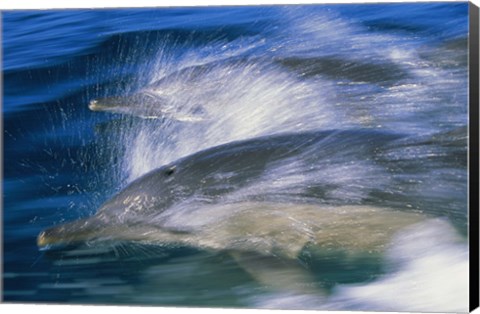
(151, 105)
(143, 104)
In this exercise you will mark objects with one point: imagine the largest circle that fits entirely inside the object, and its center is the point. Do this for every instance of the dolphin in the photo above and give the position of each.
(179, 94)
(264, 201)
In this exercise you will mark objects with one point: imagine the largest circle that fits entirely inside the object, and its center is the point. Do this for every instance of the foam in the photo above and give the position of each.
(431, 274)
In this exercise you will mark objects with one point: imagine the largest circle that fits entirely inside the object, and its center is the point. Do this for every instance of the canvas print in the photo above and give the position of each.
(281, 157)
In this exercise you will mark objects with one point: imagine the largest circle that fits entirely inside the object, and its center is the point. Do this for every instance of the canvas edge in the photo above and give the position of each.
(474, 154)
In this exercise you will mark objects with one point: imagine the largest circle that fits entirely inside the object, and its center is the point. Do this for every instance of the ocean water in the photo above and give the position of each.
(228, 74)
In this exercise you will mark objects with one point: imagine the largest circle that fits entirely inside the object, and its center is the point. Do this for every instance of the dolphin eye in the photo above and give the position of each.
(169, 171)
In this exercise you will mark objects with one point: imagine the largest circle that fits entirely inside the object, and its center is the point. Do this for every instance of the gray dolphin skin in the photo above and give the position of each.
(217, 200)
(217, 173)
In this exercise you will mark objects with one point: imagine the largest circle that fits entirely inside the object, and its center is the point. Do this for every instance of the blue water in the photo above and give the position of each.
(398, 68)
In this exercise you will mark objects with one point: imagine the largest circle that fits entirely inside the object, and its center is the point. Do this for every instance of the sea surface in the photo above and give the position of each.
(255, 72)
